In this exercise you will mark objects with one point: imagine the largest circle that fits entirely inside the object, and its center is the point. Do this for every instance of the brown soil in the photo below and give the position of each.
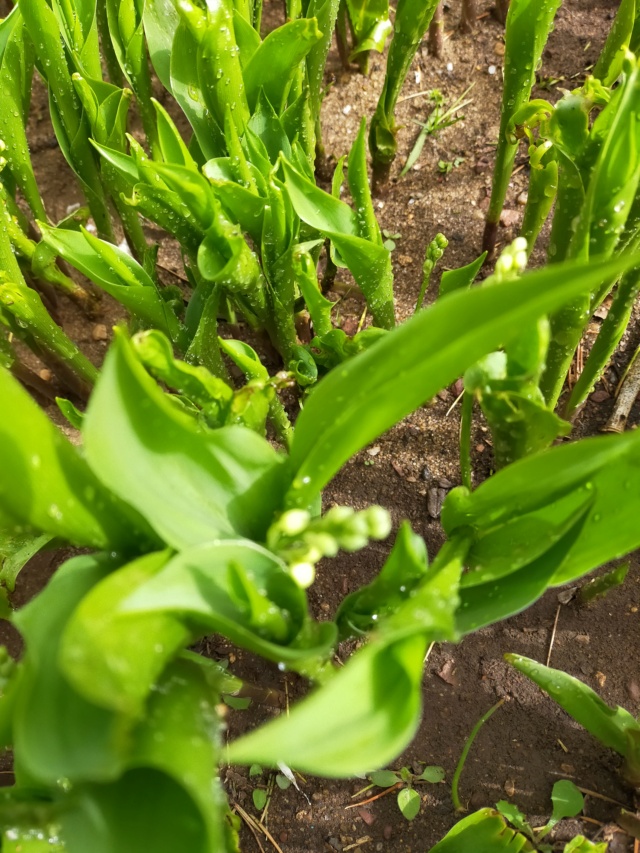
(529, 743)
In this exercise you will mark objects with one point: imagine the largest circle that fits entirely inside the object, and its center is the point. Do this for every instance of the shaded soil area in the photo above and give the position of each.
(528, 744)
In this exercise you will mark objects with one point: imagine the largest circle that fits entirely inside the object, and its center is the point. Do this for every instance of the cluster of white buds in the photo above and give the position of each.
(302, 541)
(512, 262)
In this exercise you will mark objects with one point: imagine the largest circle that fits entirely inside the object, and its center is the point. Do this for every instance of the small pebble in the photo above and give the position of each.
(492, 69)
(387, 832)
(45, 374)
(600, 677)
(523, 198)
(346, 109)
(100, 332)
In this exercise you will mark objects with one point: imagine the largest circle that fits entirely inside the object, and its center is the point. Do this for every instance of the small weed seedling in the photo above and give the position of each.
(508, 831)
(440, 118)
(404, 781)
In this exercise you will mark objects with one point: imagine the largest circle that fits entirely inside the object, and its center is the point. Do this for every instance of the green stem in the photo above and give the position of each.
(465, 752)
(465, 439)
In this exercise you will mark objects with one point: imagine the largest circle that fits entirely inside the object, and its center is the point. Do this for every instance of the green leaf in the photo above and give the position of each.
(461, 278)
(384, 778)
(259, 797)
(609, 725)
(58, 734)
(274, 64)
(47, 484)
(363, 717)
(432, 774)
(567, 801)
(117, 273)
(160, 23)
(352, 406)
(514, 816)
(190, 485)
(405, 567)
(484, 831)
(15, 552)
(238, 589)
(580, 844)
(409, 803)
(598, 471)
(95, 653)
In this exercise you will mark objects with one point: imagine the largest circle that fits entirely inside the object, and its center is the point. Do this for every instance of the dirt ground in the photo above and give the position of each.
(528, 744)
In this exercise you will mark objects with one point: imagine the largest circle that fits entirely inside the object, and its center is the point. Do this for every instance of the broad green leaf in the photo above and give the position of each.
(505, 548)
(599, 469)
(370, 23)
(405, 567)
(143, 807)
(355, 404)
(483, 832)
(367, 713)
(160, 23)
(409, 803)
(360, 719)
(609, 725)
(181, 736)
(57, 733)
(118, 274)
(498, 599)
(238, 589)
(15, 552)
(369, 262)
(95, 653)
(47, 484)
(273, 65)
(190, 485)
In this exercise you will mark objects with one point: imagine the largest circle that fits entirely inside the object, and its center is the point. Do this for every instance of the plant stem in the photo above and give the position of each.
(436, 33)
(502, 9)
(465, 439)
(469, 15)
(463, 757)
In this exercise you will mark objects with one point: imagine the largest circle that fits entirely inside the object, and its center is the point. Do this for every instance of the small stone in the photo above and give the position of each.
(600, 396)
(346, 109)
(600, 677)
(373, 451)
(633, 689)
(426, 474)
(522, 199)
(480, 448)
(100, 332)
(284, 836)
(583, 638)
(509, 787)
(45, 374)
(435, 499)
(509, 218)
(366, 816)
(498, 48)
(387, 832)
(405, 260)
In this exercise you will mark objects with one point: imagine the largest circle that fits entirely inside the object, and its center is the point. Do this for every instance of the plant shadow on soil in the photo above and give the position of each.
(529, 743)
